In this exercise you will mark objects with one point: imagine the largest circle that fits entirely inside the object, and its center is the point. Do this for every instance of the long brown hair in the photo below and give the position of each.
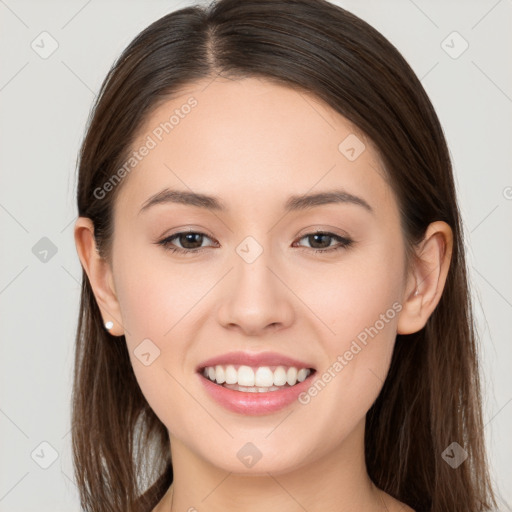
(431, 396)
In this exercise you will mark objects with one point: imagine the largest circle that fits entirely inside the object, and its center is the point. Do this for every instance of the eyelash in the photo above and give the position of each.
(165, 243)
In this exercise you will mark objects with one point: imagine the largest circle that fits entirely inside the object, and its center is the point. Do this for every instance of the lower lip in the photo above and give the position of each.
(255, 403)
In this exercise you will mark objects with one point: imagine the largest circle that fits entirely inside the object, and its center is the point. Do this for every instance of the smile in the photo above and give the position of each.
(255, 390)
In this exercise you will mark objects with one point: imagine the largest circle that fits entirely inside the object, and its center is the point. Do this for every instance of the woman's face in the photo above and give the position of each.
(260, 282)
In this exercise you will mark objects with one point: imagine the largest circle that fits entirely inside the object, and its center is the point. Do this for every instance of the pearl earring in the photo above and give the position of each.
(109, 325)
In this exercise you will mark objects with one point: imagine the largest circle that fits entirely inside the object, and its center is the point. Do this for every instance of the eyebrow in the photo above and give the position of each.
(293, 203)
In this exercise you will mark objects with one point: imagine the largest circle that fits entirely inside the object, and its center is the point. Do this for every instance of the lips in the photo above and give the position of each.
(254, 360)
(254, 403)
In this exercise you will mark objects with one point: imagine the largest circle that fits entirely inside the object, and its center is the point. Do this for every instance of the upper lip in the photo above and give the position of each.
(254, 360)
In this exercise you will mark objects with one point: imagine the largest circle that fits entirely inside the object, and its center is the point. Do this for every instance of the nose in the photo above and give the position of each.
(256, 298)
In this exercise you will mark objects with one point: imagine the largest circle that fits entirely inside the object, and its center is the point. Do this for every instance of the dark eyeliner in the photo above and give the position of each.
(344, 242)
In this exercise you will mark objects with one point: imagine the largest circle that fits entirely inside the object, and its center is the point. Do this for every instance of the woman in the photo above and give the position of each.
(275, 311)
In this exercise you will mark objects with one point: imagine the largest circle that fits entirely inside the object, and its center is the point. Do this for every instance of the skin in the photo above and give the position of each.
(253, 143)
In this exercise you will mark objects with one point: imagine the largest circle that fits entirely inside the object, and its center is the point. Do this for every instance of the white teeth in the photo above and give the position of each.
(252, 389)
(231, 375)
(280, 376)
(264, 377)
(220, 375)
(245, 376)
(302, 374)
(291, 375)
(252, 380)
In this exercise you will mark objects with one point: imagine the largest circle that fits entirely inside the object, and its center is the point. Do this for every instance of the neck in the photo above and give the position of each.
(336, 481)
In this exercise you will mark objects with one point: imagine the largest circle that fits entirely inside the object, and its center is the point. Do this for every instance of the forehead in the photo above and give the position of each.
(249, 141)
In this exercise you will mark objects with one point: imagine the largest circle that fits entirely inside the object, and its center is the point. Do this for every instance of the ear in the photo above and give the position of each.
(99, 273)
(426, 278)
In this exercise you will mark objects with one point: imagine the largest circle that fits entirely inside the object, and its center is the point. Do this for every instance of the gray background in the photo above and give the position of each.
(44, 107)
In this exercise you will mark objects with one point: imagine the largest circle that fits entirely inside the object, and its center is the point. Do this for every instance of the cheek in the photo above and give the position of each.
(154, 293)
(363, 297)
(362, 312)
(350, 294)
(155, 310)
(367, 302)
(154, 306)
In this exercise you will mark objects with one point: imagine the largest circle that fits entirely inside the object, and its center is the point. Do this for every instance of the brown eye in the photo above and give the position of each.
(190, 241)
(321, 241)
